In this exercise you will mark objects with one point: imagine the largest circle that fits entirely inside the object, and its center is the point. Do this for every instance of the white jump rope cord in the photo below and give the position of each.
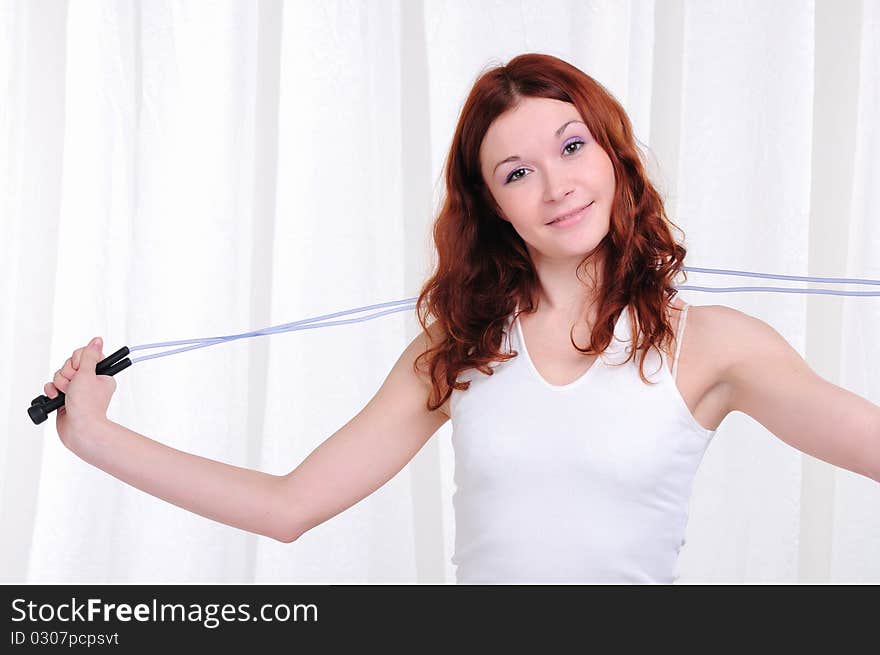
(409, 303)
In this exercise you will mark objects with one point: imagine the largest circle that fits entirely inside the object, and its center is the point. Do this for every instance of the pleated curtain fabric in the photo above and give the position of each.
(176, 169)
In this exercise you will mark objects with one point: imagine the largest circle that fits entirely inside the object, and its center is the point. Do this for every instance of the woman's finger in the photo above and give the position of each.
(60, 381)
(68, 370)
(77, 355)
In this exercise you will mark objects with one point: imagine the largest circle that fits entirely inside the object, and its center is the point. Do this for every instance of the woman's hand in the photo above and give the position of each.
(87, 395)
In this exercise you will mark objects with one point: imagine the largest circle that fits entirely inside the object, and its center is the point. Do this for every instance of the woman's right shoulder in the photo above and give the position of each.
(424, 341)
(427, 339)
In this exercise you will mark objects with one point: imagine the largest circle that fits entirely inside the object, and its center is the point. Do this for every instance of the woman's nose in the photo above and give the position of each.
(557, 184)
(557, 189)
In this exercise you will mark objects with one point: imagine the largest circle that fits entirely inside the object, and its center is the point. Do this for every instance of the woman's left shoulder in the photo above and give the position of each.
(723, 333)
(711, 320)
(719, 317)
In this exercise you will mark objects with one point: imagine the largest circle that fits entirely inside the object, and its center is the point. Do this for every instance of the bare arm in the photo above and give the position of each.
(355, 461)
(772, 383)
(243, 498)
(370, 449)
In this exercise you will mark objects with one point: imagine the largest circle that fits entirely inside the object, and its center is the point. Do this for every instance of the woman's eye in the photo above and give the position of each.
(574, 143)
(513, 178)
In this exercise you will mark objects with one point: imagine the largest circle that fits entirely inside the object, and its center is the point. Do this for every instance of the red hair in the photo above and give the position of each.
(484, 270)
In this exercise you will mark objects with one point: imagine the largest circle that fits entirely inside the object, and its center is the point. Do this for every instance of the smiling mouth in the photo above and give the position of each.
(557, 220)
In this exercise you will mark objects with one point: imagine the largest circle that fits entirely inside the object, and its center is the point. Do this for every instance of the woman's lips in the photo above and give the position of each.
(574, 219)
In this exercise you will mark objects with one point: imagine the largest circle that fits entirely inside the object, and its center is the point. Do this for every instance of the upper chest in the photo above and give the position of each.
(698, 372)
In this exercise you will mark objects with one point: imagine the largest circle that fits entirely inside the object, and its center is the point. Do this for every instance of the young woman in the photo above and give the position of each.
(581, 407)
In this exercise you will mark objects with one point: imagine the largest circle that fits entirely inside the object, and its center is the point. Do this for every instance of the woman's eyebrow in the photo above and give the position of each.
(515, 157)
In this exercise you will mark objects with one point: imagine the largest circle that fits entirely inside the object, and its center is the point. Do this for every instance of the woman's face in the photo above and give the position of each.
(549, 174)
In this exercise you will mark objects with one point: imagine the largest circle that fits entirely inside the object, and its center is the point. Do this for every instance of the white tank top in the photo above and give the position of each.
(582, 483)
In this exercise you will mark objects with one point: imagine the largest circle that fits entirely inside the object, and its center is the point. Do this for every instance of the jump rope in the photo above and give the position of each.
(42, 405)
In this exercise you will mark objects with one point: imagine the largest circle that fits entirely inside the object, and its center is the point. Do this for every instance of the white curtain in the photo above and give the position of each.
(174, 170)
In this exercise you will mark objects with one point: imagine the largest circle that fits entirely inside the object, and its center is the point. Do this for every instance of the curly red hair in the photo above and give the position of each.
(483, 269)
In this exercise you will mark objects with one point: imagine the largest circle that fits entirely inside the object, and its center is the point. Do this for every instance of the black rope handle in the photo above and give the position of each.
(42, 406)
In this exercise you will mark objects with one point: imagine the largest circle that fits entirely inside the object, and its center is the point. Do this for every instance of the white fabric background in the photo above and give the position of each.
(182, 169)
